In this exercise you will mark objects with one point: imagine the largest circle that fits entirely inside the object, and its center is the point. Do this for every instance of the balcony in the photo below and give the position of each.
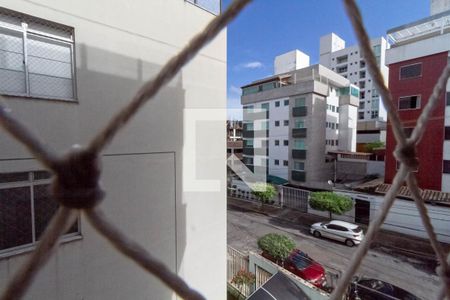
(299, 132)
(298, 154)
(248, 151)
(298, 175)
(300, 111)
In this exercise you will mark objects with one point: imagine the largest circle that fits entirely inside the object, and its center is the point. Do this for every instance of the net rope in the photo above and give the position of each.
(76, 174)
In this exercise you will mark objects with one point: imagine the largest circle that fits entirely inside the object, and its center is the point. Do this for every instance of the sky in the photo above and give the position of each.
(267, 28)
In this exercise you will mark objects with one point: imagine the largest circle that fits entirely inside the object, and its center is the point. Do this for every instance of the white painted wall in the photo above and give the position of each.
(290, 61)
(347, 127)
(116, 50)
(332, 134)
(280, 133)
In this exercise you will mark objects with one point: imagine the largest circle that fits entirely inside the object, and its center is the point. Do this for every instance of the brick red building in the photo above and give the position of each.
(419, 52)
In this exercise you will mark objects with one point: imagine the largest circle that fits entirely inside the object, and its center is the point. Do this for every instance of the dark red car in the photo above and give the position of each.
(299, 263)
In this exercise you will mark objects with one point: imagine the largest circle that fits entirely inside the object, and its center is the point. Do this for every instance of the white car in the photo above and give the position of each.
(348, 233)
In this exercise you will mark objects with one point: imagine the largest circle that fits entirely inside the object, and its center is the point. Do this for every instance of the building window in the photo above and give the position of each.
(299, 102)
(25, 209)
(277, 103)
(285, 163)
(299, 144)
(374, 114)
(213, 6)
(446, 167)
(286, 102)
(299, 166)
(286, 122)
(277, 123)
(411, 71)
(360, 115)
(341, 69)
(362, 74)
(286, 142)
(248, 143)
(361, 104)
(299, 124)
(447, 133)
(362, 94)
(277, 142)
(36, 57)
(362, 64)
(342, 59)
(276, 162)
(448, 98)
(409, 102)
(337, 141)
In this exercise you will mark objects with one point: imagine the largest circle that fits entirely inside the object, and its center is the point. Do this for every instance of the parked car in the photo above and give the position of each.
(375, 289)
(346, 232)
(299, 263)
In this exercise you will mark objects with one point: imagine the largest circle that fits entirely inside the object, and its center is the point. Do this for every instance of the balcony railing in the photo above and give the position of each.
(300, 111)
(299, 132)
(298, 154)
(298, 176)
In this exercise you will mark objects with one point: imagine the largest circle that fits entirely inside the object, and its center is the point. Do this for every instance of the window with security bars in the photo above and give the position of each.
(36, 57)
(25, 209)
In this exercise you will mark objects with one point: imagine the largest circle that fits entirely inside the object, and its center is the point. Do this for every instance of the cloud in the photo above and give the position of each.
(249, 65)
(253, 65)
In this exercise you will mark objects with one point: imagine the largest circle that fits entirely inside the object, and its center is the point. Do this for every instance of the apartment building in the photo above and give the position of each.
(294, 118)
(349, 62)
(66, 67)
(419, 52)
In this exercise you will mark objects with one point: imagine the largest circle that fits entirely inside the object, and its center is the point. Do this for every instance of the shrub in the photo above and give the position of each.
(331, 202)
(276, 245)
(264, 192)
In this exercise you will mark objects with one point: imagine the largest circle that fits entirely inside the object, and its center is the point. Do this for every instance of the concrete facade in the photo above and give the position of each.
(119, 45)
(321, 117)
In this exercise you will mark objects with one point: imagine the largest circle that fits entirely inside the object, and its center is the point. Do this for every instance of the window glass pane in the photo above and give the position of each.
(411, 71)
(299, 102)
(446, 168)
(37, 175)
(44, 208)
(299, 166)
(447, 133)
(448, 98)
(212, 6)
(13, 177)
(12, 73)
(299, 124)
(15, 217)
(299, 144)
(47, 86)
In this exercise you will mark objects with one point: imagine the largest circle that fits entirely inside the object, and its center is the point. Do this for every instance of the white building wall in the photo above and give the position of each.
(332, 117)
(280, 133)
(347, 128)
(146, 193)
(290, 61)
(329, 58)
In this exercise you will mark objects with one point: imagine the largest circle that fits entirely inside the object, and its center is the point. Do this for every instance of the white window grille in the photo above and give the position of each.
(36, 57)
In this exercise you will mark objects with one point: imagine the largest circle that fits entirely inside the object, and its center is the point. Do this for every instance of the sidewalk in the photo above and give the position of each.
(393, 243)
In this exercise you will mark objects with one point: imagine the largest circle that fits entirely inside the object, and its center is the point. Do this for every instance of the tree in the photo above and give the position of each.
(370, 146)
(264, 192)
(276, 245)
(331, 202)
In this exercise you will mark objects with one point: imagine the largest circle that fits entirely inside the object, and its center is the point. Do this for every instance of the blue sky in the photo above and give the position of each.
(267, 28)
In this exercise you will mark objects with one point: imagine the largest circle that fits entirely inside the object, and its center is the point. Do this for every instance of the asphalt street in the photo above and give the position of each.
(245, 227)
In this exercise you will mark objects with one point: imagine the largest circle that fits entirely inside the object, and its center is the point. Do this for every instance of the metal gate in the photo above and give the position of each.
(295, 198)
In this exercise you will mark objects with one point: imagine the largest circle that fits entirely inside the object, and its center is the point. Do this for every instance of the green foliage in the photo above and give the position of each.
(276, 245)
(243, 277)
(264, 191)
(370, 146)
(331, 202)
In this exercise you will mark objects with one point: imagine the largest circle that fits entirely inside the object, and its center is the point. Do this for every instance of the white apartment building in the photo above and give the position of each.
(348, 62)
(66, 67)
(293, 119)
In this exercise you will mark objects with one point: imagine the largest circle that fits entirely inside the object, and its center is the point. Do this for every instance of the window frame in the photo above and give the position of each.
(298, 169)
(25, 32)
(419, 96)
(30, 183)
(404, 66)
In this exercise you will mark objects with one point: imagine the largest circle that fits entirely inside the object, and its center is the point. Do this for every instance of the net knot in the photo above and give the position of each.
(76, 184)
(406, 154)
